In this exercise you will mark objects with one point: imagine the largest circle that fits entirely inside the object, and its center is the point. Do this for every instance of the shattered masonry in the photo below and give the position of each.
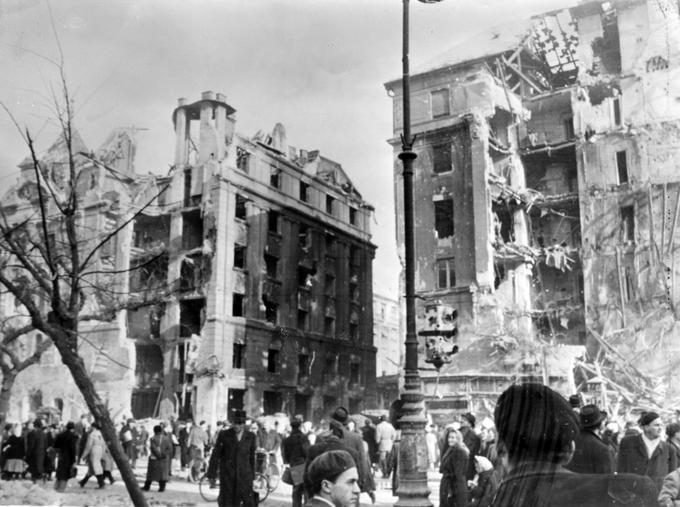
(263, 254)
(547, 201)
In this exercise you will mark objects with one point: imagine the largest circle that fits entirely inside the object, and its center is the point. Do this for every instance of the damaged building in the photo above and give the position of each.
(546, 202)
(262, 254)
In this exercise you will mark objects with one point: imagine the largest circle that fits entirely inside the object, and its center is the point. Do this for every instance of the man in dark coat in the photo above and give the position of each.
(36, 447)
(646, 453)
(294, 453)
(471, 441)
(537, 427)
(66, 444)
(592, 455)
(234, 457)
(160, 452)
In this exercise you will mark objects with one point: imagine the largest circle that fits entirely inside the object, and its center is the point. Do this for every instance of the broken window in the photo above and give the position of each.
(329, 204)
(187, 187)
(192, 276)
(239, 353)
(192, 230)
(272, 402)
(353, 331)
(330, 368)
(441, 158)
(440, 103)
(568, 125)
(271, 310)
(616, 105)
(273, 221)
(274, 177)
(329, 326)
(627, 223)
(148, 366)
(443, 218)
(271, 263)
(304, 191)
(242, 158)
(302, 319)
(622, 166)
(273, 360)
(446, 274)
(304, 236)
(191, 316)
(329, 285)
(237, 304)
(305, 276)
(240, 211)
(240, 256)
(303, 365)
(353, 216)
(354, 373)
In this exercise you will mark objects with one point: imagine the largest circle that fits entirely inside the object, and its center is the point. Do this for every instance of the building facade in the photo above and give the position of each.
(546, 204)
(262, 256)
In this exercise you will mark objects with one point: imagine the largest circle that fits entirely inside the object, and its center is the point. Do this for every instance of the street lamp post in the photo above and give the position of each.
(412, 487)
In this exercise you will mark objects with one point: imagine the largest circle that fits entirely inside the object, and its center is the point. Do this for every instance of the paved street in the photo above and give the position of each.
(179, 493)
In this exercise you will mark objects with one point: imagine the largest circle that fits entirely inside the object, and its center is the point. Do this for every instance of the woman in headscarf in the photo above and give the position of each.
(94, 453)
(485, 484)
(13, 451)
(453, 466)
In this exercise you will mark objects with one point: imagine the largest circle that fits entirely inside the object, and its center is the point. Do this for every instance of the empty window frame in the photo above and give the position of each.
(330, 204)
(238, 357)
(273, 360)
(354, 373)
(353, 216)
(242, 158)
(274, 177)
(271, 310)
(568, 125)
(271, 265)
(240, 209)
(304, 191)
(239, 256)
(440, 103)
(622, 166)
(302, 320)
(443, 218)
(616, 106)
(303, 365)
(273, 221)
(237, 304)
(329, 326)
(446, 273)
(627, 223)
(441, 158)
(304, 236)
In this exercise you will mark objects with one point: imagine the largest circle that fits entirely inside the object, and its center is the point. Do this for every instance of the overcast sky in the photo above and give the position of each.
(317, 66)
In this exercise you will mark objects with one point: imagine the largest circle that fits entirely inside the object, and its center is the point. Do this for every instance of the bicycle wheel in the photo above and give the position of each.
(273, 476)
(197, 468)
(261, 487)
(208, 491)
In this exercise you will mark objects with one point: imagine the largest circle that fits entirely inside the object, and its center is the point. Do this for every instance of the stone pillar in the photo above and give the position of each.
(181, 134)
(481, 206)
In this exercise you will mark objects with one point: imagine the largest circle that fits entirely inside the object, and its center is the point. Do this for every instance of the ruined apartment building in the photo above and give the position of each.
(270, 250)
(253, 264)
(547, 197)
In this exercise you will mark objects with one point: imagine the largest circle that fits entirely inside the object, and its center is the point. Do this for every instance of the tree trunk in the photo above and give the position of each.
(101, 415)
(8, 378)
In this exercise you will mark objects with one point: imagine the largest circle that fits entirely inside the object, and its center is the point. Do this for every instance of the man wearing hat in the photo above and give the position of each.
(536, 428)
(333, 480)
(294, 453)
(592, 455)
(234, 456)
(471, 441)
(646, 453)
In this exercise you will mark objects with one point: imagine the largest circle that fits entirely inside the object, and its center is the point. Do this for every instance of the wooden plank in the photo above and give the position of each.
(675, 222)
(622, 299)
(513, 68)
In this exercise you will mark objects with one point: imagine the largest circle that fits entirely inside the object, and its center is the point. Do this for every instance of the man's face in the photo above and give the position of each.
(344, 492)
(464, 423)
(654, 429)
(238, 426)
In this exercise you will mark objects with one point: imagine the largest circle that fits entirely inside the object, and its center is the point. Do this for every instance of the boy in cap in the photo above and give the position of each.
(333, 480)
(537, 427)
(234, 456)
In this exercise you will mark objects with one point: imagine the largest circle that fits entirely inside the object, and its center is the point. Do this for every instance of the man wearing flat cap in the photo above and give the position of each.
(646, 453)
(536, 428)
(333, 480)
(234, 457)
(592, 455)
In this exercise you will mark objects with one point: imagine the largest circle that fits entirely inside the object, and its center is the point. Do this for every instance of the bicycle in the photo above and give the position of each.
(210, 490)
(197, 467)
(265, 463)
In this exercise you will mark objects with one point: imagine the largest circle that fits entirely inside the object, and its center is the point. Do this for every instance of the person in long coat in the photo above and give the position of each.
(160, 453)
(36, 448)
(294, 453)
(94, 454)
(591, 454)
(453, 467)
(66, 445)
(646, 453)
(234, 458)
(14, 451)
(471, 441)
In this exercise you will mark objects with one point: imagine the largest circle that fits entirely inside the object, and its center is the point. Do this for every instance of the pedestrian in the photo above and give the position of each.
(14, 452)
(66, 445)
(333, 480)
(471, 441)
(670, 490)
(170, 446)
(453, 467)
(484, 486)
(36, 449)
(673, 438)
(142, 441)
(431, 442)
(384, 438)
(128, 438)
(94, 454)
(197, 442)
(537, 427)
(592, 455)
(368, 434)
(159, 455)
(294, 453)
(489, 448)
(234, 457)
(183, 440)
(646, 453)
